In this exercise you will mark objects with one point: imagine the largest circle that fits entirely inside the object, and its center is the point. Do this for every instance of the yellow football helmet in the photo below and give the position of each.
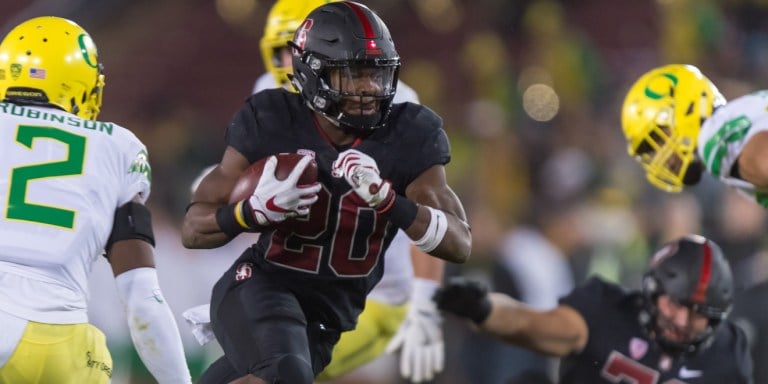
(661, 119)
(283, 20)
(51, 61)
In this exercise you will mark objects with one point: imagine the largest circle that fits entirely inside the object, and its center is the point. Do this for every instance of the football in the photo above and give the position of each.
(286, 162)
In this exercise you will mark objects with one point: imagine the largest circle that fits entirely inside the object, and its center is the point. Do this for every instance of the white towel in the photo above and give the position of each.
(199, 320)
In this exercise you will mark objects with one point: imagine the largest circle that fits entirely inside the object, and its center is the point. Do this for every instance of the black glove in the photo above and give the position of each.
(464, 298)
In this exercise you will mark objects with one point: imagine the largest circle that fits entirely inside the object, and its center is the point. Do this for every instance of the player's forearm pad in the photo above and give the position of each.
(153, 329)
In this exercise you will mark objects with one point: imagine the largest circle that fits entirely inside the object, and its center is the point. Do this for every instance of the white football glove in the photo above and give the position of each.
(420, 337)
(274, 200)
(362, 173)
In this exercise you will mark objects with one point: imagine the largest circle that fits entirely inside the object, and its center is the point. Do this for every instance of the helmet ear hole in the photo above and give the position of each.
(75, 108)
(690, 109)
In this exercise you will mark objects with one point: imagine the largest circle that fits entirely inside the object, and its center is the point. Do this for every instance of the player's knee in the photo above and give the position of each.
(292, 369)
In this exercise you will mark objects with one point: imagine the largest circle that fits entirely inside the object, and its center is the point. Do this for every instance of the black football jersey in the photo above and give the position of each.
(618, 350)
(336, 255)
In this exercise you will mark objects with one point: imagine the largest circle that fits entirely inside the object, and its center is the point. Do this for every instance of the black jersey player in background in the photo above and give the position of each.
(278, 311)
(673, 331)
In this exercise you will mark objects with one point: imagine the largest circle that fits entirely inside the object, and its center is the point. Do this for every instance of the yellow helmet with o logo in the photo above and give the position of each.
(661, 119)
(51, 61)
(283, 20)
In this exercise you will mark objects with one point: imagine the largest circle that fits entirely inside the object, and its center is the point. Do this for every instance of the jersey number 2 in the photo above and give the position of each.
(18, 206)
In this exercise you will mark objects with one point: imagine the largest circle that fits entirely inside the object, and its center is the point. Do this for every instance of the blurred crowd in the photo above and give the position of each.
(530, 92)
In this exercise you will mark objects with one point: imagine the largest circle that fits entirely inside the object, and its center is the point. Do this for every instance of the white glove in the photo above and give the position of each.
(199, 320)
(362, 173)
(275, 200)
(420, 337)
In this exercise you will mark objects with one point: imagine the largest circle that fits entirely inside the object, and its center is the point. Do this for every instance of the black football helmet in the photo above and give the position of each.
(693, 272)
(348, 40)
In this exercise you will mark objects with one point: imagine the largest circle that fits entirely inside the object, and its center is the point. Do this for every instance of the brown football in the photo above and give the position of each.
(286, 162)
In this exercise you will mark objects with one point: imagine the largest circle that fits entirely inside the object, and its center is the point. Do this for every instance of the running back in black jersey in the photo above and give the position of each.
(619, 350)
(337, 261)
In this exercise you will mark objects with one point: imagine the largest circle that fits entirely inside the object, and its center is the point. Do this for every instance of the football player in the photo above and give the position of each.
(420, 338)
(672, 331)
(321, 246)
(418, 328)
(73, 189)
(677, 125)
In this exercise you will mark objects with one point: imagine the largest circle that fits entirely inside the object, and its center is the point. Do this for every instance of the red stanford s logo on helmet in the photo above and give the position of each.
(300, 37)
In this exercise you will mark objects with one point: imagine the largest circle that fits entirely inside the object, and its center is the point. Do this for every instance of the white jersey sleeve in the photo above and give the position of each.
(61, 179)
(405, 93)
(265, 81)
(724, 135)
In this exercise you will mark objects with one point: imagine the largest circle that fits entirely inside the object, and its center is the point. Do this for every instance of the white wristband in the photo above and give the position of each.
(438, 225)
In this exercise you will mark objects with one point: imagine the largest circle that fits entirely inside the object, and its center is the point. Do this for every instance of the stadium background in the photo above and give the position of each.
(530, 91)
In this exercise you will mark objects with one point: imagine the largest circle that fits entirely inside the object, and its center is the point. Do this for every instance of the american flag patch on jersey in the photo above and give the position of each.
(37, 73)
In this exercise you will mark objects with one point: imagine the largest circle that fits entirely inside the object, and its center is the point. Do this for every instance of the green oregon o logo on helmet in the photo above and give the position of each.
(81, 40)
(655, 95)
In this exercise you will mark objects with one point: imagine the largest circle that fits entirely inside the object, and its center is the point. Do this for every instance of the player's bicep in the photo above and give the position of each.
(557, 332)
(431, 188)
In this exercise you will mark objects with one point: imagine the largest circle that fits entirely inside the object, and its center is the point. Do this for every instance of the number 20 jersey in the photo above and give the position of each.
(619, 351)
(337, 253)
(61, 180)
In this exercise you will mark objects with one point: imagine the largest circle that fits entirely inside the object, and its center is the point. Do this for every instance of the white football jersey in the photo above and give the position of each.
(61, 180)
(724, 135)
(397, 282)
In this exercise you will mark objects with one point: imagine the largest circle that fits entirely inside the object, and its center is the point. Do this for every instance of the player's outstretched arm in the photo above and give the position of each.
(557, 332)
(153, 328)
